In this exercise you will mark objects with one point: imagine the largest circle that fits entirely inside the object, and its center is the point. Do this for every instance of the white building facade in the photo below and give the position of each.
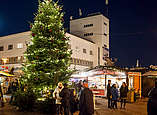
(87, 51)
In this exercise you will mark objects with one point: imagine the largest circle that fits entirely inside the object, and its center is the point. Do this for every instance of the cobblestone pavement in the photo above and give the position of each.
(138, 108)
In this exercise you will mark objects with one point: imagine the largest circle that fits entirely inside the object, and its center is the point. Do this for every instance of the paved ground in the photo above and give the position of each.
(138, 108)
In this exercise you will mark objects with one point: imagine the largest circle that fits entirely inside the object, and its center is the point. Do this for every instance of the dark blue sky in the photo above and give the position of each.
(133, 24)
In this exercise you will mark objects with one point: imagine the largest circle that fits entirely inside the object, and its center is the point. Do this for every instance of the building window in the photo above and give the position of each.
(10, 47)
(75, 61)
(71, 61)
(98, 56)
(16, 60)
(69, 46)
(88, 34)
(22, 59)
(78, 62)
(91, 53)
(1, 62)
(105, 29)
(11, 60)
(1, 48)
(105, 34)
(88, 25)
(84, 50)
(20, 45)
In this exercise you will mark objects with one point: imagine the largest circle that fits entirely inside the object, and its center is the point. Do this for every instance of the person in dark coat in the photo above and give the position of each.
(65, 94)
(72, 101)
(1, 96)
(123, 94)
(152, 102)
(86, 104)
(109, 93)
(14, 88)
(114, 92)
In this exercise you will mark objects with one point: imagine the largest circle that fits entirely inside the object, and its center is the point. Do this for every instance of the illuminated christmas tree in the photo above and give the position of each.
(48, 56)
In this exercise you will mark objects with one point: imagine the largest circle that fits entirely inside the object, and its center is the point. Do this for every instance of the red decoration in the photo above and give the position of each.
(7, 67)
(33, 34)
(2, 66)
(50, 30)
(30, 26)
(63, 38)
(57, 50)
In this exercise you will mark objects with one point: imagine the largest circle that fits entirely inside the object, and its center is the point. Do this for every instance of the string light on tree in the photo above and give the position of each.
(48, 57)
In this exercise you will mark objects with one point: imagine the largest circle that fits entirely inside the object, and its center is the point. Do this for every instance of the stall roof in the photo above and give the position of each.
(150, 73)
(6, 74)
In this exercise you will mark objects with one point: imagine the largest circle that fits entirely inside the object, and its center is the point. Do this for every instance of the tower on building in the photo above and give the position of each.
(137, 63)
(95, 28)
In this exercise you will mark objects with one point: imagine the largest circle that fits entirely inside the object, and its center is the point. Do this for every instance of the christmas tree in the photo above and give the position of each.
(48, 56)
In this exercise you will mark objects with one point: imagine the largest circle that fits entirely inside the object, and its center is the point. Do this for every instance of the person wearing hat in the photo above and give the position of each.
(86, 104)
(65, 94)
(58, 98)
(152, 102)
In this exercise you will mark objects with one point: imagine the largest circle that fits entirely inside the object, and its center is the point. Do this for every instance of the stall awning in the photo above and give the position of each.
(6, 74)
(150, 73)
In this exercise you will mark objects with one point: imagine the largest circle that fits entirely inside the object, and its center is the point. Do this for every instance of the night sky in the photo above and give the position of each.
(133, 24)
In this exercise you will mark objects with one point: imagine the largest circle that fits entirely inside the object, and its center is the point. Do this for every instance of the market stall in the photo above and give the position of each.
(98, 79)
(5, 80)
(148, 82)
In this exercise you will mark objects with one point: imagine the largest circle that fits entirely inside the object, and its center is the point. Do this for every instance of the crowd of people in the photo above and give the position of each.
(113, 95)
(80, 97)
(68, 102)
(9, 87)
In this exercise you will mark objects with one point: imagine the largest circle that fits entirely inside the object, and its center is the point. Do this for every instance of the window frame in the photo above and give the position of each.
(19, 45)
(2, 48)
(84, 51)
(9, 47)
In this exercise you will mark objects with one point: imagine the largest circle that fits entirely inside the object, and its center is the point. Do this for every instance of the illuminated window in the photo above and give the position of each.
(22, 59)
(1, 62)
(75, 61)
(20, 45)
(78, 61)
